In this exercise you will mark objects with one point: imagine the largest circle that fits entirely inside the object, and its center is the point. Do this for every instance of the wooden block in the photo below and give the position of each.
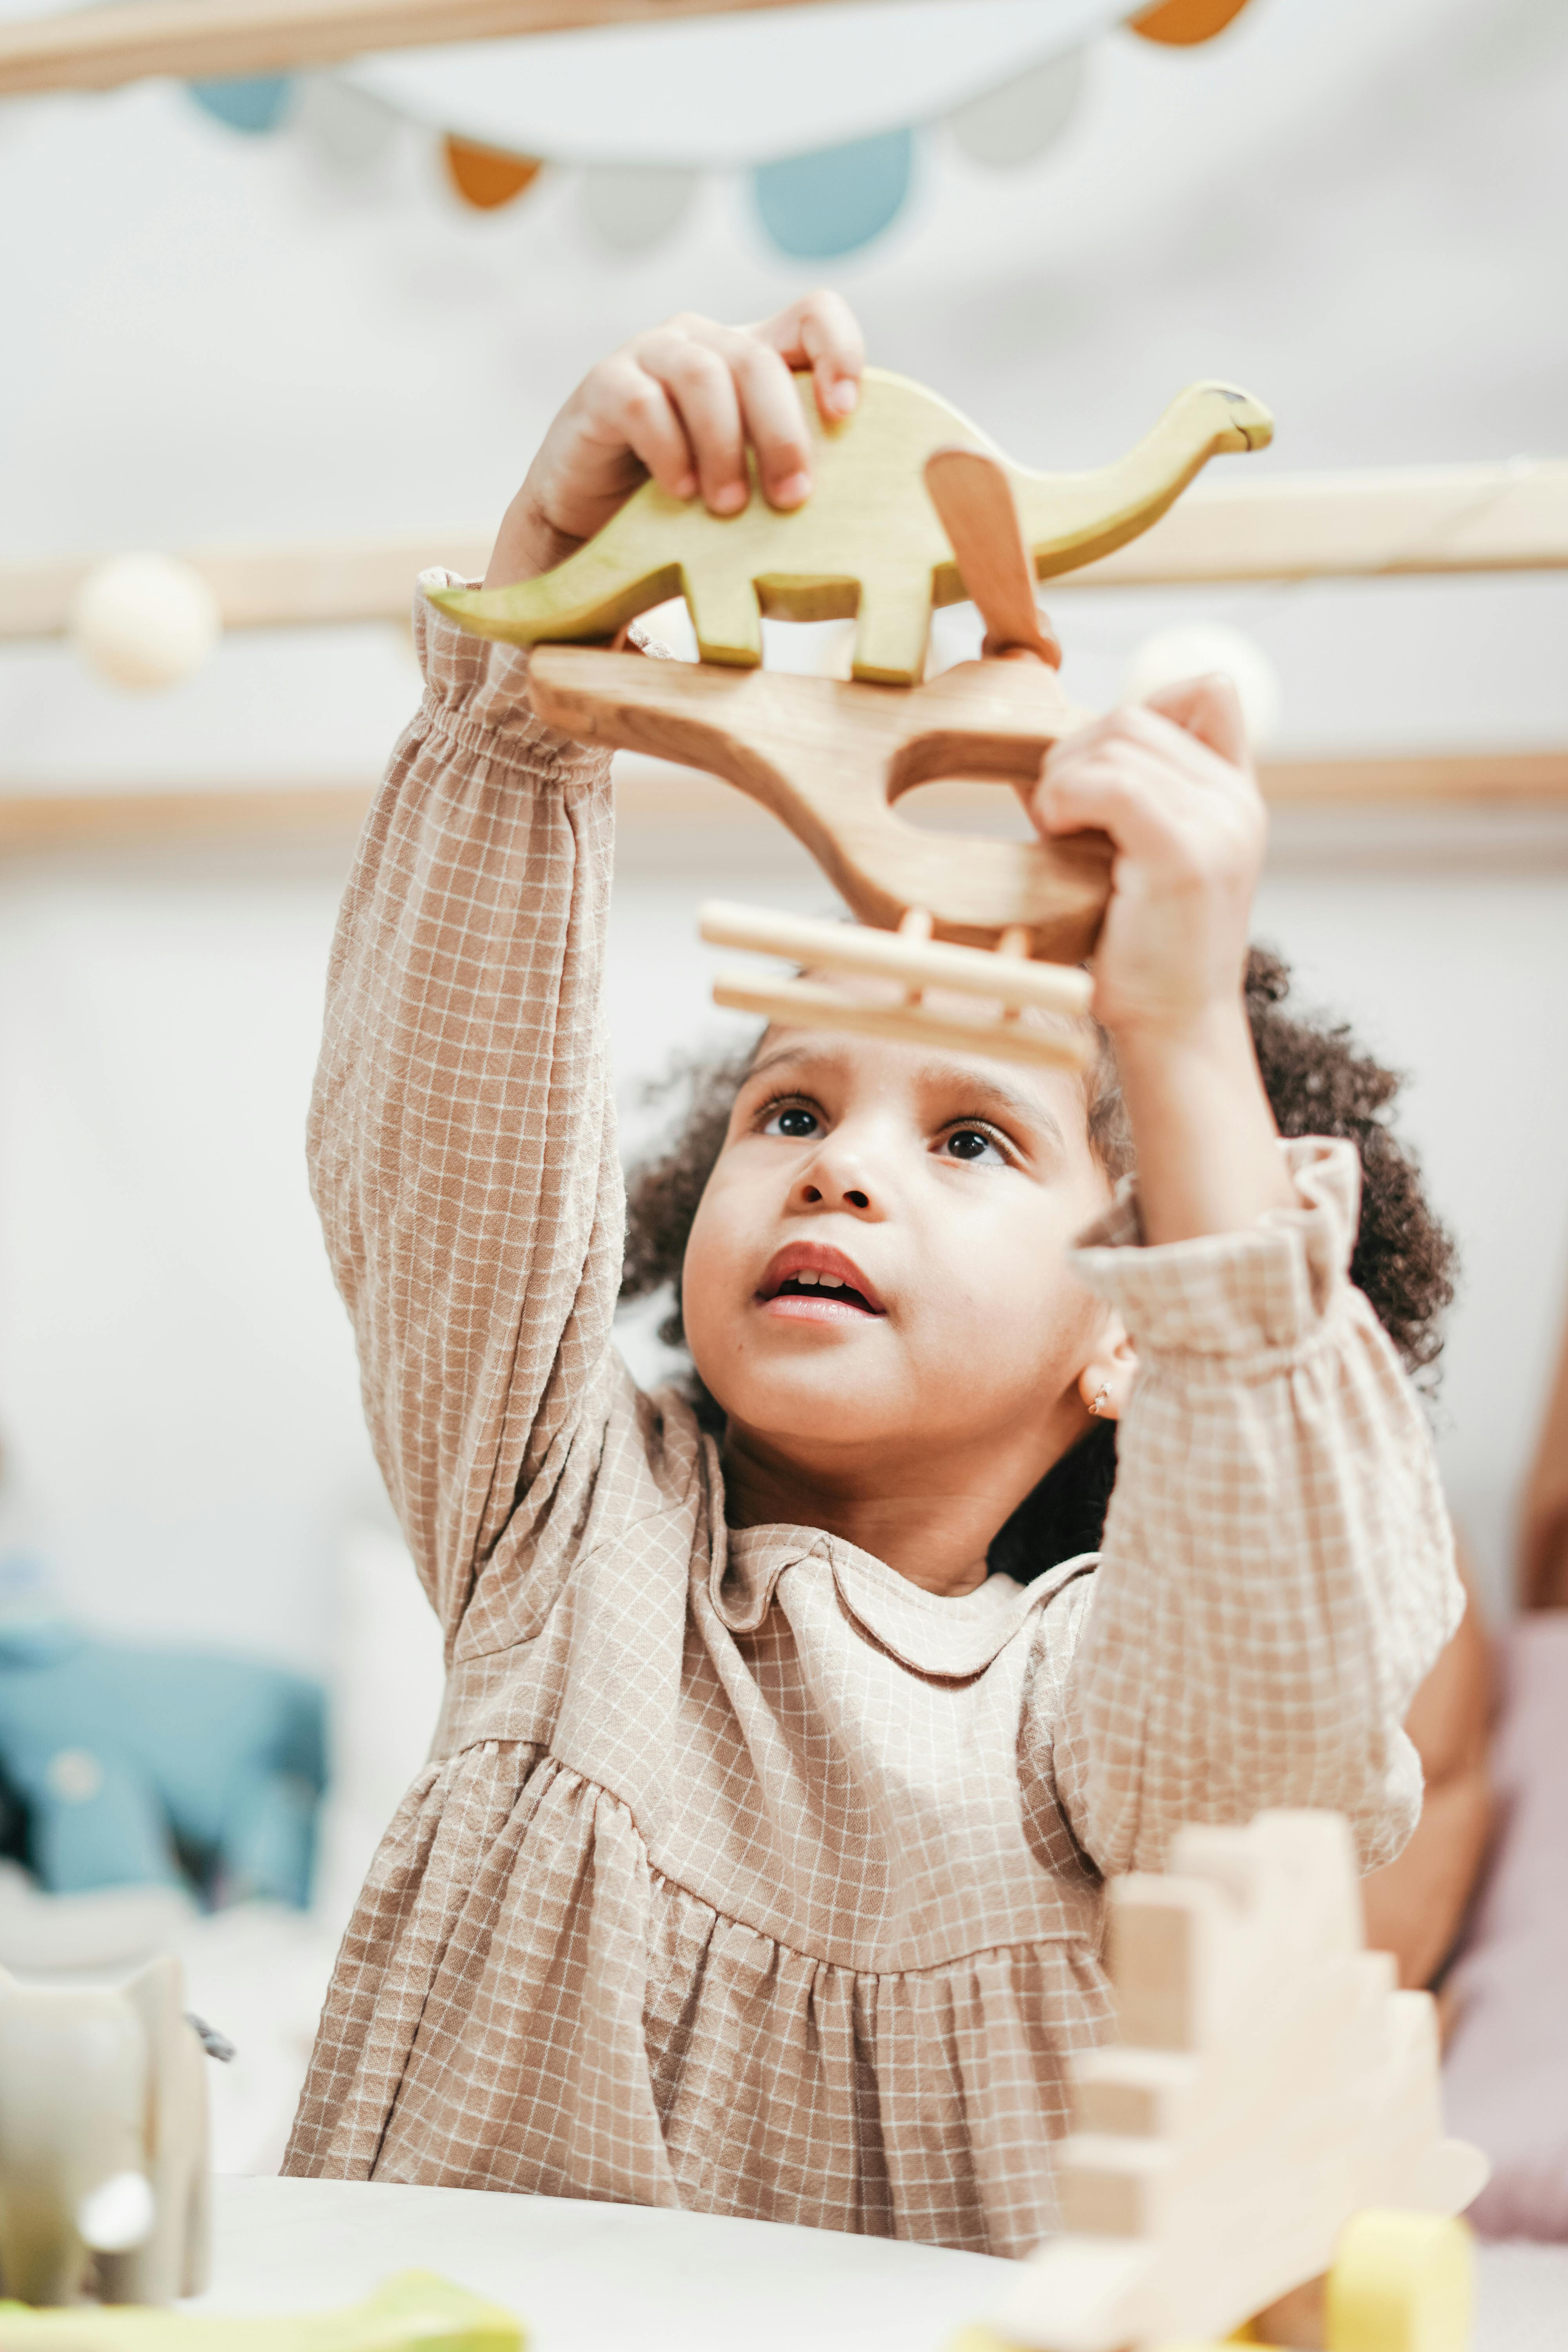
(868, 541)
(1141, 2093)
(1282, 2084)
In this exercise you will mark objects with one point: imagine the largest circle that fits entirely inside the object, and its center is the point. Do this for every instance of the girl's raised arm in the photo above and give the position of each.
(1277, 1575)
(462, 1134)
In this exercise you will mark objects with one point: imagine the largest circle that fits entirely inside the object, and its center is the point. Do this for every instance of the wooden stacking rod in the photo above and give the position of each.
(912, 961)
(842, 946)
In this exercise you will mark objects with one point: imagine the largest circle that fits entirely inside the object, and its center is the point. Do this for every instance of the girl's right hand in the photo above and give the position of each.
(681, 404)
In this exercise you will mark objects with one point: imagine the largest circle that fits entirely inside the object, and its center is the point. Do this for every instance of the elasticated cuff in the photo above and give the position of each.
(1266, 1288)
(475, 693)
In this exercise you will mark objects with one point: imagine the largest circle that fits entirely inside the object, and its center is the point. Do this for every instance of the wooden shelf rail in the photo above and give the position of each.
(212, 40)
(34, 821)
(1455, 518)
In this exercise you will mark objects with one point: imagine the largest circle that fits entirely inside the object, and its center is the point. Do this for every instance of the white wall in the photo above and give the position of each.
(1356, 212)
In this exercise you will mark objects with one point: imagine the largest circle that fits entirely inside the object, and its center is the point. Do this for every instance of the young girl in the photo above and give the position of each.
(758, 1865)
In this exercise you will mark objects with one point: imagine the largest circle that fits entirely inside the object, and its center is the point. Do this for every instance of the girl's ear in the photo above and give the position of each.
(1105, 1384)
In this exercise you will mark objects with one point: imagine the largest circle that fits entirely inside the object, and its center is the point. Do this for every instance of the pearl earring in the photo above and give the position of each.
(1101, 1393)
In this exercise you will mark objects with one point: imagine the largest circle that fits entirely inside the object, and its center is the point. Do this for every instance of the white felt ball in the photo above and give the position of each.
(1196, 648)
(145, 620)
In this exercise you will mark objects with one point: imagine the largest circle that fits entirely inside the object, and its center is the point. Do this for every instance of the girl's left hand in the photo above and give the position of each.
(1171, 782)
(683, 403)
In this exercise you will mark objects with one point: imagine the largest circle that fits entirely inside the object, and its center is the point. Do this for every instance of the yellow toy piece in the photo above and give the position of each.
(867, 542)
(1401, 2282)
(414, 2312)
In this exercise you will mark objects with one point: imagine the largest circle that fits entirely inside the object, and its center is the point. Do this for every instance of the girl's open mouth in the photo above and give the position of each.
(809, 1282)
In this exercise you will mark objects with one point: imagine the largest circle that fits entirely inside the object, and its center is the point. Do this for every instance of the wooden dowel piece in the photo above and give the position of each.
(798, 1005)
(915, 923)
(931, 963)
(1013, 943)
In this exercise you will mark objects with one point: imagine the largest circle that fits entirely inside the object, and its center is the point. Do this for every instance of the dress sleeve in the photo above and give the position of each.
(461, 1139)
(1278, 1570)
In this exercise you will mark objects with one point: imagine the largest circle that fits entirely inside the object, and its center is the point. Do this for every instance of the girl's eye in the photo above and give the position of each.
(793, 1120)
(972, 1144)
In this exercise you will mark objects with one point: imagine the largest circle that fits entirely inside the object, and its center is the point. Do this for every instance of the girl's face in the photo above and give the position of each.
(878, 1268)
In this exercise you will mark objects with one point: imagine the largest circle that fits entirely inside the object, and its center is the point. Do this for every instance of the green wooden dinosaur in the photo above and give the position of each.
(414, 2312)
(867, 543)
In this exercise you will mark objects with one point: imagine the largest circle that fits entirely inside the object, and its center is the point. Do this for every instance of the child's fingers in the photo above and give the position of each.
(624, 403)
(1124, 780)
(770, 408)
(1140, 732)
(822, 332)
(1209, 708)
(703, 391)
(1098, 793)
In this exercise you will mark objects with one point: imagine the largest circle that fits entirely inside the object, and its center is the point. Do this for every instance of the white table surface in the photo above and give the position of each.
(622, 2278)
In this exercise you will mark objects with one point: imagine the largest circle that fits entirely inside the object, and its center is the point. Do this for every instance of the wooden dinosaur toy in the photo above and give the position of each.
(1268, 2085)
(911, 507)
(414, 2312)
(867, 542)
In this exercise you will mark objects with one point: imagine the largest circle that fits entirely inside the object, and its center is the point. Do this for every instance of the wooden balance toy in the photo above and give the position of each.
(912, 508)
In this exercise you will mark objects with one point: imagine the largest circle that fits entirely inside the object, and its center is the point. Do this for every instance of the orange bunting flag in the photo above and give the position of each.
(485, 177)
(1181, 24)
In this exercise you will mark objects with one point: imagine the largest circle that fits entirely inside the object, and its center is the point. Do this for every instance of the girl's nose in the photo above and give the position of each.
(826, 1185)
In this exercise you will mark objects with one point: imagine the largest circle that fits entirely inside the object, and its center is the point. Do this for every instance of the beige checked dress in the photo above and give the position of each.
(746, 1876)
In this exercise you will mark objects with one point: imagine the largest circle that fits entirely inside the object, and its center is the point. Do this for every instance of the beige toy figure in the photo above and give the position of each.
(103, 2142)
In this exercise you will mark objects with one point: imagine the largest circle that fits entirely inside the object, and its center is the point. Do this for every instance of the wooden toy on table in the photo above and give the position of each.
(1267, 2118)
(911, 508)
(103, 2142)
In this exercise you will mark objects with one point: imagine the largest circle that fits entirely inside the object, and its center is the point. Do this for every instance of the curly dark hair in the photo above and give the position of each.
(1319, 1083)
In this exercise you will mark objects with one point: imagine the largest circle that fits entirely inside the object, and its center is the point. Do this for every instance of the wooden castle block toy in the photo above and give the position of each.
(911, 508)
(1267, 2086)
(103, 2142)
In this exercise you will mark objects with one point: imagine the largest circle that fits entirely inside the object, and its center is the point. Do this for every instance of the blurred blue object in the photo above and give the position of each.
(133, 1764)
(817, 206)
(255, 103)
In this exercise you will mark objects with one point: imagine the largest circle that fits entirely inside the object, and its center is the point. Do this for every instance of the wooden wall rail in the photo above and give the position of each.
(102, 47)
(1495, 518)
(264, 587)
(52, 821)
(1506, 518)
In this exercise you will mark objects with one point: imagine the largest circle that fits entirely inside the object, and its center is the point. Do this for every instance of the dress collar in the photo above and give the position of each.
(953, 1637)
